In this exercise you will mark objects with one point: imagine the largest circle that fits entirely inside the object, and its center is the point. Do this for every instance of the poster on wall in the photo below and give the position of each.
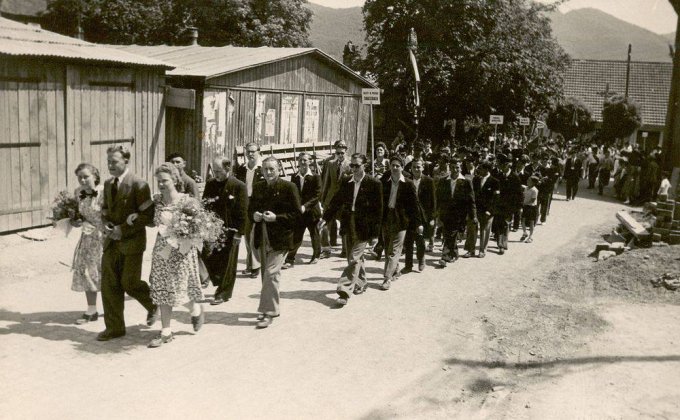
(311, 124)
(214, 124)
(290, 106)
(270, 123)
(260, 115)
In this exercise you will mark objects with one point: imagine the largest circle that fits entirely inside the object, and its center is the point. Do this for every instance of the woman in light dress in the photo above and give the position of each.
(87, 258)
(174, 278)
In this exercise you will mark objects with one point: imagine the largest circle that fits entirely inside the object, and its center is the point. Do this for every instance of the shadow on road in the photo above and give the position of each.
(59, 326)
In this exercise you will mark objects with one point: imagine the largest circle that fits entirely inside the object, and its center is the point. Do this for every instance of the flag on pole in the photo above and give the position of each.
(412, 46)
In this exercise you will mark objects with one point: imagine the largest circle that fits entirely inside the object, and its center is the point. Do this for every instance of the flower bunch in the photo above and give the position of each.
(65, 206)
(188, 224)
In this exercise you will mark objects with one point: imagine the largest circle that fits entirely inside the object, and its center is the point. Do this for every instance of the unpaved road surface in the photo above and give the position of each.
(484, 338)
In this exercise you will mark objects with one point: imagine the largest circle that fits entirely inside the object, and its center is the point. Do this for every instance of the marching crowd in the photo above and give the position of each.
(395, 202)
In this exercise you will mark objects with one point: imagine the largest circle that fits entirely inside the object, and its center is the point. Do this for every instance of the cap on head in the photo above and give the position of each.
(340, 144)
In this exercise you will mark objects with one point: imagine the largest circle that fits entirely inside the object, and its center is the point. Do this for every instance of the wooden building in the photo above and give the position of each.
(62, 102)
(224, 97)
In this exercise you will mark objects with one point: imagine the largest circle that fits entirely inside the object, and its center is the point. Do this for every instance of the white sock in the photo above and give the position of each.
(91, 310)
(196, 310)
(166, 332)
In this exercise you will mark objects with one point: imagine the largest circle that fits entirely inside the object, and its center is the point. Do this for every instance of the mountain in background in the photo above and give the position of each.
(583, 33)
(670, 37)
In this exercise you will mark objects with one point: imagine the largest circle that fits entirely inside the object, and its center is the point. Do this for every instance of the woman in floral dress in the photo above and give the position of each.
(174, 278)
(87, 258)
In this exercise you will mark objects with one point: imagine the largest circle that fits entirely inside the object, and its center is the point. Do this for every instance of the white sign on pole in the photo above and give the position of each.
(370, 96)
(495, 119)
(523, 121)
(540, 124)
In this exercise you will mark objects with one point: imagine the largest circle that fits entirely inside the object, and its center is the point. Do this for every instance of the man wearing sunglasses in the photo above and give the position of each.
(359, 204)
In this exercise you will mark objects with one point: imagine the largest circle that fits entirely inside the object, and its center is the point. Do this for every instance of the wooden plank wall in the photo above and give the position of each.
(51, 117)
(32, 137)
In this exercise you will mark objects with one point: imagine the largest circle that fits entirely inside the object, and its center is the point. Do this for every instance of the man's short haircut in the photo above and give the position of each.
(359, 156)
(270, 159)
(417, 160)
(175, 155)
(486, 165)
(123, 150)
(303, 154)
(224, 162)
(251, 144)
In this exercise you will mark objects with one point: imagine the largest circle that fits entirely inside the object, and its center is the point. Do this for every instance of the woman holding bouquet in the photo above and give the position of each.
(174, 278)
(87, 258)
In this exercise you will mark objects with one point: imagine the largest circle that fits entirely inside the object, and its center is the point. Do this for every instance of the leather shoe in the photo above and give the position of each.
(343, 292)
(421, 267)
(481, 255)
(87, 318)
(441, 263)
(152, 316)
(501, 251)
(313, 261)
(107, 335)
(325, 254)
(218, 300)
(287, 265)
(386, 285)
(265, 322)
(198, 321)
(359, 290)
(341, 301)
(160, 340)
(469, 254)
(406, 270)
(254, 273)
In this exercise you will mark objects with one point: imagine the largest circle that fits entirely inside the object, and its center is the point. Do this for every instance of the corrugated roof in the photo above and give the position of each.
(196, 60)
(17, 39)
(650, 85)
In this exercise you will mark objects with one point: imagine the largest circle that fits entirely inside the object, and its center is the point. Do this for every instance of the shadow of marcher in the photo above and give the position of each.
(319, 296)
(60, 326)
(223, 318)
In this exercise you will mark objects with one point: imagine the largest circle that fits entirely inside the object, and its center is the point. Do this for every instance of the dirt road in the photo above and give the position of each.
(480, 339)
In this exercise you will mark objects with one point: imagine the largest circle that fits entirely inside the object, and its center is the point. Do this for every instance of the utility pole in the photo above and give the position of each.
(628, 70)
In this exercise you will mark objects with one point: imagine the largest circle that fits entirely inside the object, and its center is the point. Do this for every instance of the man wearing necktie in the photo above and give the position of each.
(309, 188)
(126, 211)
(455, 204)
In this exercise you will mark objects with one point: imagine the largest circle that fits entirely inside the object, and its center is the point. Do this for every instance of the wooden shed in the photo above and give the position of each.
(63, 101)
(224, 97)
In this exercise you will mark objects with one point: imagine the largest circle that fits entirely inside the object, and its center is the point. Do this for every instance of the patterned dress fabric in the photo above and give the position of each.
(174, 278)
(87, 257)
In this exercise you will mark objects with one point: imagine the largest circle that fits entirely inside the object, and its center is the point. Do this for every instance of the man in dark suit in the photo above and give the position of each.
(274, 209)
(510, 200)
(189, 186)
(126, 211)
(455, 204)
(309, 188)
(426, 200)
(487, 192)
(401, 211)
(334, 172)
(226, 196)
(250, 174)
(572, 174)
(359, 202)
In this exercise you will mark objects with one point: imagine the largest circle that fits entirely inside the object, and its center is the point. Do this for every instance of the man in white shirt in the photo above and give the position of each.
(250, 173)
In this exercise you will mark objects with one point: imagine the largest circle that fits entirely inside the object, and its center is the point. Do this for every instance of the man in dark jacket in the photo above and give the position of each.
(572, 174)
(274, 209)
(426, 200)
(455, 204)
(401, 212)
(359, 203)
(509, 202)
(226, 196)
(309, 188)
(250, 174)
(487, 192)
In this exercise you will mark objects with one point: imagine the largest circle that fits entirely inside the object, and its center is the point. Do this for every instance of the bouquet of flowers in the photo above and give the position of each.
(64, 211)
(189, 225)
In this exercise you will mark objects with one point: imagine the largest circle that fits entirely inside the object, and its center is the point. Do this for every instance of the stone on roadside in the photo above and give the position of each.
(603, 255)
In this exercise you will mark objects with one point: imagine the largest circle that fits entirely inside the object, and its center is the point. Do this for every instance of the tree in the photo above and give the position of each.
(475, 58)
(283, 23)
(620, 117)
(570, 118)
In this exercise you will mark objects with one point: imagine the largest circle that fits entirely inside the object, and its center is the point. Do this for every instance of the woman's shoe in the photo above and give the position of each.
(160, 340)
(198, 321)
(87, 318)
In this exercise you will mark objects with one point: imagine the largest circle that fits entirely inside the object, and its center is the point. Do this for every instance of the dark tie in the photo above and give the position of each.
(114, 188)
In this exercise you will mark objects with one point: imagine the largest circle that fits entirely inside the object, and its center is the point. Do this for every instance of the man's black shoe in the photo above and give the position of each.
(107, 335)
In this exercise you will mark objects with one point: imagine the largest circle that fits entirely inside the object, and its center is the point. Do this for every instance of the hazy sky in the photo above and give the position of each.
(656, 15)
